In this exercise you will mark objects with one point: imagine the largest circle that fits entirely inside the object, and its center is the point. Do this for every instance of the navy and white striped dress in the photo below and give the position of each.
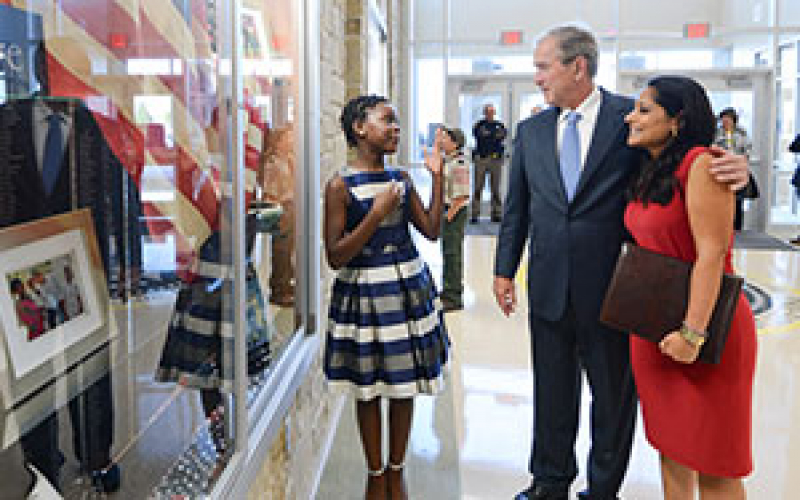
(386, 334)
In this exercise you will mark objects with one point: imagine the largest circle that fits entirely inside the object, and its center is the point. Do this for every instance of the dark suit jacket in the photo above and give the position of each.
(100, 181)
(572, 246)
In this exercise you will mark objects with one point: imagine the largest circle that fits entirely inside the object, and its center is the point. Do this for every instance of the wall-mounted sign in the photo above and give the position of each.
(511, 37)
(696, 30)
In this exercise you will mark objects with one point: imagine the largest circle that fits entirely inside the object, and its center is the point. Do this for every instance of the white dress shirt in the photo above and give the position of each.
(588, 110)
(41, 112)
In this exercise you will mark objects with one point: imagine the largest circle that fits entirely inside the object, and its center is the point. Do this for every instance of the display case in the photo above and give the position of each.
(155, 353)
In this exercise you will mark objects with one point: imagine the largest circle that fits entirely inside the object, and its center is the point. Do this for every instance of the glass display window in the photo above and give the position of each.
(172, 129)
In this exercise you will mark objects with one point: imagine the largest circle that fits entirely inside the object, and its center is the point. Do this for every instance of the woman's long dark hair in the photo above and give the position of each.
(684, 98)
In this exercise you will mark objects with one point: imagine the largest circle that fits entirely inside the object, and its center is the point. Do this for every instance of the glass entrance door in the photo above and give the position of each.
(513, 97)
(527, 100)
(466, 101)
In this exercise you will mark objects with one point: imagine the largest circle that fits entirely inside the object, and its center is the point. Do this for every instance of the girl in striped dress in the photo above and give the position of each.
(386, 336)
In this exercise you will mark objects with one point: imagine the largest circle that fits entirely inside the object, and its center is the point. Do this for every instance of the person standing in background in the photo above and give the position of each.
(488, 158)
(456, 199)
(734, 138)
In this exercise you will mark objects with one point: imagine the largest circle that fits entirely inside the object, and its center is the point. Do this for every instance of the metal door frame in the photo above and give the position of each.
(510, 87)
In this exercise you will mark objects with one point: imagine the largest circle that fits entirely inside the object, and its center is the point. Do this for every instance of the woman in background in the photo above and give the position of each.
(734, 138)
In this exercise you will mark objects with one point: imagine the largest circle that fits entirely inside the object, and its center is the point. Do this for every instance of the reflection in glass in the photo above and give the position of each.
(63, 158)
(147, 144)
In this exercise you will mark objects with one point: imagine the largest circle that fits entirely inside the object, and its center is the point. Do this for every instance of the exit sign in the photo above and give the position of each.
(511, 37)
(696, 30)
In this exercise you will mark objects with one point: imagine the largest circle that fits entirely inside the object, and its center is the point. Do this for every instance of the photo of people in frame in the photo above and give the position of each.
(46, 295)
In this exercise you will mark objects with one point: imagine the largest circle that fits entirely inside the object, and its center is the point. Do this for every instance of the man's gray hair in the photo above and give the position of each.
(574, 42)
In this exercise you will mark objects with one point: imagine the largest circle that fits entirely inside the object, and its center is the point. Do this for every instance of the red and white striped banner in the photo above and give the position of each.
(116, 32)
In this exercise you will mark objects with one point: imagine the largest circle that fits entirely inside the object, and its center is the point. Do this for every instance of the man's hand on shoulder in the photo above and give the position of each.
(729, 168)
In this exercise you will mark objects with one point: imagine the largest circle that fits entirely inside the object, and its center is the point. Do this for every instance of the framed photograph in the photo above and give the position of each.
(47, 301)
(54, 311)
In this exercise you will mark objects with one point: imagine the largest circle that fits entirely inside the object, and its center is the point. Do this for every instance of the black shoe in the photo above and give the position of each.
(473, 220)
(107, 480)
(538, 492)
(495, 218)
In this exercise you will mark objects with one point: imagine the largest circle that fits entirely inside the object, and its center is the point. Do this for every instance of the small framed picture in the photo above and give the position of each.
(54, 309)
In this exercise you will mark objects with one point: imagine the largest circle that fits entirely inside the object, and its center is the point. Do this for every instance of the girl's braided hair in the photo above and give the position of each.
(356, 111)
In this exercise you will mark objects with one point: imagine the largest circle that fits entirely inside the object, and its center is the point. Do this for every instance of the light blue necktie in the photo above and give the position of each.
(53, 152)
(570, 155)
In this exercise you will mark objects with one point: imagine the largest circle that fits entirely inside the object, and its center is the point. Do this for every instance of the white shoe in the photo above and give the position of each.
(42, 489)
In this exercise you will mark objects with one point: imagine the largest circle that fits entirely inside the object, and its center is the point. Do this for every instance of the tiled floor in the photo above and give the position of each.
(490, 387)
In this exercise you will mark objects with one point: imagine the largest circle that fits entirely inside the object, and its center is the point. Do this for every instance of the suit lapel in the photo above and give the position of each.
(607, 127)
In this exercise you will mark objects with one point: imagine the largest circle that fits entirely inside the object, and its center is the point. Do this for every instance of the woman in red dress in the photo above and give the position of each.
(698, 416)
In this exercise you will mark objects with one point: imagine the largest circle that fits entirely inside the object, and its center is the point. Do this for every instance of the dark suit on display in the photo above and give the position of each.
(573, 247)
(90, 176)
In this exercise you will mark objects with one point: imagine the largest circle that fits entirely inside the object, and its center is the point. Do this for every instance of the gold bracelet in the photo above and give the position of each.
(694, 337)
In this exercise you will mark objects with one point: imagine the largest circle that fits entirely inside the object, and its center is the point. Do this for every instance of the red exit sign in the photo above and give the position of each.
(696, 30)
(511, 37)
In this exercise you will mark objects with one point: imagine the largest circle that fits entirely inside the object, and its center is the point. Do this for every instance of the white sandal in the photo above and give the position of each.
(42, 489)
(396, 467)
(376, 473)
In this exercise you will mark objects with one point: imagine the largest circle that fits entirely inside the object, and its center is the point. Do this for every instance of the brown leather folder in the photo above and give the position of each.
(649, 293)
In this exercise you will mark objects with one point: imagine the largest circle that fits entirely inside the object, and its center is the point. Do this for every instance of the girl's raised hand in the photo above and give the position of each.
(433, 158)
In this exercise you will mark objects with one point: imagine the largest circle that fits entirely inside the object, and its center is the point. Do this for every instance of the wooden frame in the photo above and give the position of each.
(43, 364)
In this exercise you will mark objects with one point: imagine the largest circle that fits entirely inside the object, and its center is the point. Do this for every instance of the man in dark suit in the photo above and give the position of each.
(569, 173)
(57, 160)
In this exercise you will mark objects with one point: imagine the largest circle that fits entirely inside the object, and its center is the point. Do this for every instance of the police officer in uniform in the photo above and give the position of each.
(488, 158)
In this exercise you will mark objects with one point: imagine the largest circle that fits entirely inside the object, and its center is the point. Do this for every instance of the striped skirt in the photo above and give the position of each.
(386, 334)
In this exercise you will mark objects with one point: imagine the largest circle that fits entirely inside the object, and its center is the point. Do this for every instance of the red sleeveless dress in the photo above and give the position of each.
(698, 415)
